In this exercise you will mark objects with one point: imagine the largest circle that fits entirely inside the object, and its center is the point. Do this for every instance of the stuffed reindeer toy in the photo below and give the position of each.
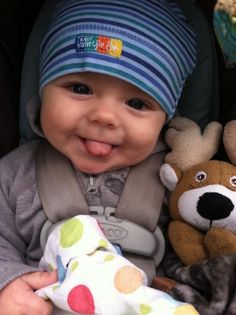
(202, 201)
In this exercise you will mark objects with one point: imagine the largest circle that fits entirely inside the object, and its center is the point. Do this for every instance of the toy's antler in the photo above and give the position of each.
(229, 139)
(190, 146)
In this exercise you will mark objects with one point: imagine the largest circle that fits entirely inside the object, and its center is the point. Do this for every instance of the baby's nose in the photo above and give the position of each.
(105, 115)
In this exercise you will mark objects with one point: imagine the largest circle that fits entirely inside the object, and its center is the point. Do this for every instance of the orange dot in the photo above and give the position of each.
(128, 279)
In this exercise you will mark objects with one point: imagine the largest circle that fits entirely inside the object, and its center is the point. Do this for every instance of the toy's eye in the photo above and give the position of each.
(233, 181)
(200, 176)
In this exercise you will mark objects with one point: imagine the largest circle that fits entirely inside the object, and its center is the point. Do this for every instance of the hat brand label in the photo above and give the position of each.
(101, 44)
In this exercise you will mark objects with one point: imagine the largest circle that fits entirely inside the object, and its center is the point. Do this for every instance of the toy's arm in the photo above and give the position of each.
(220, 241)
(187, 242)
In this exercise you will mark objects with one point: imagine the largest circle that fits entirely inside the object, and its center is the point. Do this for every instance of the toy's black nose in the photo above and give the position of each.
(214, 206)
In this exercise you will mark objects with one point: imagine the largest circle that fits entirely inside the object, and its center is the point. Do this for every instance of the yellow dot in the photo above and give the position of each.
(186, 309)
(108, 257)
(71, 232)
(103, 243)
(128, 279)
(145, 309)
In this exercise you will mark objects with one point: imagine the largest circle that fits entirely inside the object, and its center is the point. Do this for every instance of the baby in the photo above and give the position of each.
(111, 75)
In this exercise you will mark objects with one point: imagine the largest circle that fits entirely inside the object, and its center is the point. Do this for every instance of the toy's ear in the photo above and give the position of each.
(170, 175)
(189, 145)
(229, 139)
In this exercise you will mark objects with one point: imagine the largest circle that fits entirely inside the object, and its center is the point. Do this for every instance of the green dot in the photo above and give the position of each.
(71, 232)
(145, 309)
(74, 265)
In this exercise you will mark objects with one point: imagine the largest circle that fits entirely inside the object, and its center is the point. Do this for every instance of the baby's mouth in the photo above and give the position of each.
(97, 148)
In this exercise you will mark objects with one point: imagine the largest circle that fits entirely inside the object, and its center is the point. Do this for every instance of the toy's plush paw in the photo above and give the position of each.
(163, 284)
(220, 241)
(187, 242)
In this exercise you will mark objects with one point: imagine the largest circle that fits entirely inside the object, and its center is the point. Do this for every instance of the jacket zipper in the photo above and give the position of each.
(92, 189)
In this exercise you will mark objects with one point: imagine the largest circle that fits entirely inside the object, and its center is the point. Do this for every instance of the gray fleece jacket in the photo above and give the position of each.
(22, 217)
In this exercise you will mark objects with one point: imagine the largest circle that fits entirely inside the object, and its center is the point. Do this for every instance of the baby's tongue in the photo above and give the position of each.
(97, 148)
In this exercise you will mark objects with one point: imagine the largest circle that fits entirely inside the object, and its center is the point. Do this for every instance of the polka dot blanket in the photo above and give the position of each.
(94, 279)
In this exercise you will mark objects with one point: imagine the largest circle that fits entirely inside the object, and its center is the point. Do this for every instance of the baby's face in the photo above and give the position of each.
(99, 122)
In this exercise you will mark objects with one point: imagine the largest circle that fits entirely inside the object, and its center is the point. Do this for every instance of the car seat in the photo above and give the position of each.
(199, 101)
(200, 98)
(9, 136)
(11, 53)
(16, 20)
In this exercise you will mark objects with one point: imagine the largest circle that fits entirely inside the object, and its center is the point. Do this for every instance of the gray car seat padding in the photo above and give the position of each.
(30, 68)
(200, 99)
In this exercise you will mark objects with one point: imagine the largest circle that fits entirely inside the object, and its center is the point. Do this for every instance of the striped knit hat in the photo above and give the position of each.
(147, 43)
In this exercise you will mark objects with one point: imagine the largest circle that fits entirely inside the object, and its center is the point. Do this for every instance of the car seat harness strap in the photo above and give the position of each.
(135, 232)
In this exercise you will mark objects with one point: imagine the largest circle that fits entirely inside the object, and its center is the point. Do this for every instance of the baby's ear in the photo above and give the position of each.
(170, 174)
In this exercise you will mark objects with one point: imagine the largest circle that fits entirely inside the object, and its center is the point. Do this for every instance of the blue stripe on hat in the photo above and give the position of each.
(151, 46)
(109, 12)
(103, 9)
(157, 52)
(151, 13)
(165, 39)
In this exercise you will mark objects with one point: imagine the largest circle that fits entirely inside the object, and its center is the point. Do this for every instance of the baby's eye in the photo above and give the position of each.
(137, 104)
(80, 88)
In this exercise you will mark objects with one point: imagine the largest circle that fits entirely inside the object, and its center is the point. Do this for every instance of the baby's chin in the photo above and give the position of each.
(98, 168)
